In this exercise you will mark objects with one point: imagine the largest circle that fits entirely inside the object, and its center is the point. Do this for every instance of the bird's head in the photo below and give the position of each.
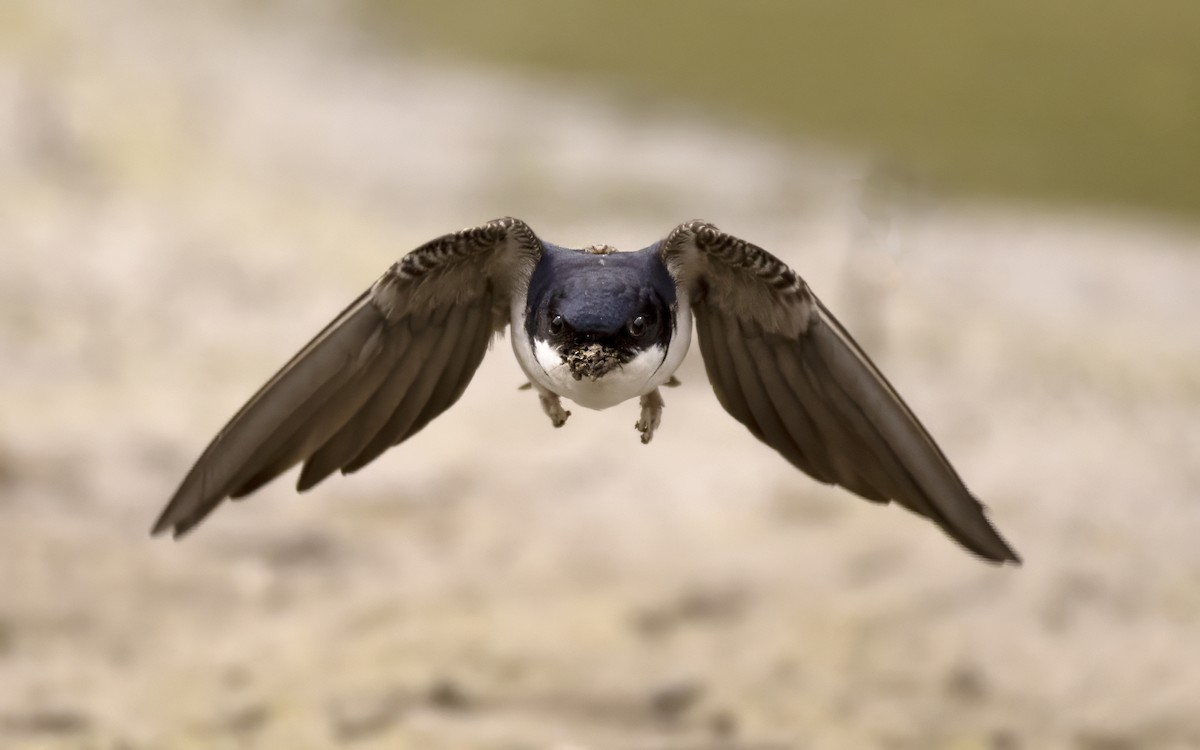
(600, 316)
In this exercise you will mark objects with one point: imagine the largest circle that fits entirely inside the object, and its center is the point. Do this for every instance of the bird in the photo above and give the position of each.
(597, 327)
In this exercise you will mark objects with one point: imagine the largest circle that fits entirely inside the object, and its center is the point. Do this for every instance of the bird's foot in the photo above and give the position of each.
(673, 382)
(553, 407)
(652, 406)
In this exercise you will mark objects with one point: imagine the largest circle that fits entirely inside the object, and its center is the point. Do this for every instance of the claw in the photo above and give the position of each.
(652, 406)
(553, 408)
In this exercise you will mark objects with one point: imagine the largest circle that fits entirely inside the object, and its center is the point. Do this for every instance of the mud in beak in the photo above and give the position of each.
(593, 361)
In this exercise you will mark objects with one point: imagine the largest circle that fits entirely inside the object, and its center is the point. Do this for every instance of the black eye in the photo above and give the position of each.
(637, 327)
(556, 324)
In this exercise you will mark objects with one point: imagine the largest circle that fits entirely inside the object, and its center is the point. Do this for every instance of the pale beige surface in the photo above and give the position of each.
(185, 199)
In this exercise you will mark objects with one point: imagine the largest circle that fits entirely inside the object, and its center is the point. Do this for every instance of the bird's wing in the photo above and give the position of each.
(784, 367)
(397, 357)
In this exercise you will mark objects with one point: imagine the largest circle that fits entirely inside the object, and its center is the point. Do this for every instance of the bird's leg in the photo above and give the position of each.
(553, 407)
(652, 406)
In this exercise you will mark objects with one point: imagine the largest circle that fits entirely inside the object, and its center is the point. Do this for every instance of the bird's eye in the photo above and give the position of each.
(637, 327)
(556, 324)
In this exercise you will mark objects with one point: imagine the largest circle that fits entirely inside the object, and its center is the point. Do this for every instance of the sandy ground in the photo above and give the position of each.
(185, 199)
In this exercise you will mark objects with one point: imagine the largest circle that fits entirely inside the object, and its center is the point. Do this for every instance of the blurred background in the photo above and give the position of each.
(1000, 200)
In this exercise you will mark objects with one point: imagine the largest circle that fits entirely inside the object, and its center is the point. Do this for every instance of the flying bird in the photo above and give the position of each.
(597, 327)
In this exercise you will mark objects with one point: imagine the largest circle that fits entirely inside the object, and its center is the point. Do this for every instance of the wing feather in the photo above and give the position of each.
(464, 360)
(398, 356)
(830, 429)
(718, 363)
(292, 394)
(782, 365)
(354, 434)
(925, 481)
(318, 427)
(797, 420)
(443, 334)
(750, 386)
(432, 363)
(872, 456)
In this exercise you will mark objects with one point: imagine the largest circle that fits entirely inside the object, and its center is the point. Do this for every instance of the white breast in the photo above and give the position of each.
(642, 374)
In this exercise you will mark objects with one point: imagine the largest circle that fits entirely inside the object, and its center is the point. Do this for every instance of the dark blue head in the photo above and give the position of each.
(613, 305)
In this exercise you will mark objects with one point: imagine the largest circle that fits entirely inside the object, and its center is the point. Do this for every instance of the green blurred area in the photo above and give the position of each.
(1071, 101)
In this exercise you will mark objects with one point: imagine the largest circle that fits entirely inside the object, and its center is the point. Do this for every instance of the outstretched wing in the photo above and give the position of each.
(397, 357)
(784, 367)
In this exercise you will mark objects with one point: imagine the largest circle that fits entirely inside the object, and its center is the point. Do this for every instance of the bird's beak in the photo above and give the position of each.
(592, 361)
